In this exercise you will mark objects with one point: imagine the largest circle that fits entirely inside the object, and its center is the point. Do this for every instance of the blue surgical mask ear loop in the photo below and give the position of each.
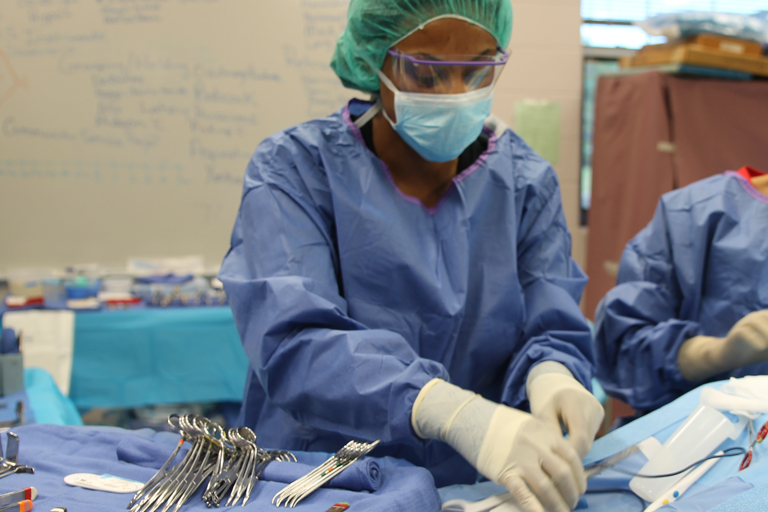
(371, 112)
(377, 105)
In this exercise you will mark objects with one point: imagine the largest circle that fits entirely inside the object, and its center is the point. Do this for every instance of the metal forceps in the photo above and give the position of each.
(175, 484)
(9, 463)
(245, 439)
(309, 483)
(226, 470)
(210, 435)
(754, 438)
(157, 490)
(258, 458)
(596, 468)
(173, 421)
(264, 457)
(231, 459)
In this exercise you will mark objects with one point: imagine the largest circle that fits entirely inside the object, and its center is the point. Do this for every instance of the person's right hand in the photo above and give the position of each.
(702, 357)
(533, 461)
(527, 456)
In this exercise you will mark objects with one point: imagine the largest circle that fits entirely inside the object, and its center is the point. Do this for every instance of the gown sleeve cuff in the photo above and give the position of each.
(671, 367)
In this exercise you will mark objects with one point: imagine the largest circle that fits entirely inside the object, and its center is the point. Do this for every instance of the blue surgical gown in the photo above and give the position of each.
(349, 296)
(697, 268)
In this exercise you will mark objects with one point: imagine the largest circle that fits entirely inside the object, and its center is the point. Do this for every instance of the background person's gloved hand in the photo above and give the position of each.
(746, 343)
(561, 401)
(511, 447)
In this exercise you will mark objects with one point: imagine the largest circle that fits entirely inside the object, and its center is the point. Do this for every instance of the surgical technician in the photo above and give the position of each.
(691, 304)
(401, 269)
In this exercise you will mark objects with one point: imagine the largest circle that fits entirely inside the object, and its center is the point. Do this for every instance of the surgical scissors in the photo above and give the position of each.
(231, 459)
(173, 421)
(175, 482)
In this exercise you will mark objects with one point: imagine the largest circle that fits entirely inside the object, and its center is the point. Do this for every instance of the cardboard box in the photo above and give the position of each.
(706, 51)
(721, 44)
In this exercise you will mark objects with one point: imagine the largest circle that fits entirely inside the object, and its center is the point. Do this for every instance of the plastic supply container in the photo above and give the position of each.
(697, 438)
(82, 287)
(117, 284)
(27, 282)
(53, 291)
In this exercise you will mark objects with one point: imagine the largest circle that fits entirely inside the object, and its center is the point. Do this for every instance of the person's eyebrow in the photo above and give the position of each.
(486, 52)
(478, 56)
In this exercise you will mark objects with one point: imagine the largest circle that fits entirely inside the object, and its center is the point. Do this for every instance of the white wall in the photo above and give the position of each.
(198, 205)
(129, 123)
(546, 64)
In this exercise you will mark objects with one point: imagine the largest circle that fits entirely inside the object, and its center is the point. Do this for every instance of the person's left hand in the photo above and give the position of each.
(561, 401)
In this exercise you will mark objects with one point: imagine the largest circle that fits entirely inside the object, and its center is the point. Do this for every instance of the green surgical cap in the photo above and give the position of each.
(374, 26)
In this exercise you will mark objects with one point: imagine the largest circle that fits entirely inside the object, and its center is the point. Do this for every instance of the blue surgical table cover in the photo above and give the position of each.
(47, 403)
(150, 356)
(723, 488)
(43, 402)
(57, 451)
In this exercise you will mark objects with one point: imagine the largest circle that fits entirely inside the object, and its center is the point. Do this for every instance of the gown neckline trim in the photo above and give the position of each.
(748, 187)
(492, 139)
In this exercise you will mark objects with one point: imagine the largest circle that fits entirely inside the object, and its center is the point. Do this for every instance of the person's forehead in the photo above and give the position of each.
(449, 35)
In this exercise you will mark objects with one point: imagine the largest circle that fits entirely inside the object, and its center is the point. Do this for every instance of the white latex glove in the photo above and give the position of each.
(512, 448)
(702, 357)
(562, 402)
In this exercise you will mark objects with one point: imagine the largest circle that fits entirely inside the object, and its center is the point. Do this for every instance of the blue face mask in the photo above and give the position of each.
(439, 126)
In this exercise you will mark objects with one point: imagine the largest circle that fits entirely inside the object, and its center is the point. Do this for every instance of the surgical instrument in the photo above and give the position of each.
(309, 483)
(9, 464)
(339, 507)
(168, 486)
(173, 421)
(19, 420)
(610, 461)
(758, 438)
(22, 506)
(677, 490)
(30, 493)
(230, 458)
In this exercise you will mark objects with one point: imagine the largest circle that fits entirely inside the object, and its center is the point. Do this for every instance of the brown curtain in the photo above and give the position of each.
(715, 125)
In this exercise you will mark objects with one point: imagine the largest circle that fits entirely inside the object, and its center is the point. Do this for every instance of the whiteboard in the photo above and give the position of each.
(126, 125)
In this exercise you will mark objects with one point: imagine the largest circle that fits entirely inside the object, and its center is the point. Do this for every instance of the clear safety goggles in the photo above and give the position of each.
(448, 74)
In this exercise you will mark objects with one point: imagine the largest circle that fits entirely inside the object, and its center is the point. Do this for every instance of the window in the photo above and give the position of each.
(607, 33)
(634, 10)
(615, 35)
(608, 23)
